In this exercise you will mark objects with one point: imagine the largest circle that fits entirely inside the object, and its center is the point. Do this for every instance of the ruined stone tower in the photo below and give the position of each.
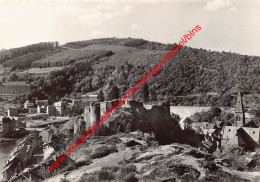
(79, 125)
(239, 117)
(91, 114)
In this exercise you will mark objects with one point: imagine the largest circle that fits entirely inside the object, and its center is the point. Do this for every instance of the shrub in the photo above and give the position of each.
(102, 152)
(233, 156)
(130, 178)
(113, 140)
(87, 151)
(126, 173)
(110, 168)
(125, 170)
(74, 166)
(89, 178)
(105, 175)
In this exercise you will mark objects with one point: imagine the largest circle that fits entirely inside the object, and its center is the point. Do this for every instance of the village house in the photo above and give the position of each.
(42, 102)
(246, 135)
(21, 157)
(19, 122)
(242, 136)
(28, 175)
(42, 109)
(12, 112)
(60, 108)
(239, 134)
(29, 104)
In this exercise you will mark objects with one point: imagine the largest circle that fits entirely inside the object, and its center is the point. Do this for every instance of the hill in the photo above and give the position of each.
(25, 61)
(21, 51)
(186, 79)
(126, 42)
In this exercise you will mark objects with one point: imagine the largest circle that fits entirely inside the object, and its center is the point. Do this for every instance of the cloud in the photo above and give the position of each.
(95, 18)
(96, 33)
(100, 14)
(233, 9)
(135, 27)
(126, 8)
(216, 5)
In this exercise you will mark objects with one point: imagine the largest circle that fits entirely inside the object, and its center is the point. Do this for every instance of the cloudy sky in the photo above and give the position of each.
(227, 25)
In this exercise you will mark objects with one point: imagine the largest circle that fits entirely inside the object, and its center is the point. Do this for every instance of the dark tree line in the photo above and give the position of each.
(16, 52)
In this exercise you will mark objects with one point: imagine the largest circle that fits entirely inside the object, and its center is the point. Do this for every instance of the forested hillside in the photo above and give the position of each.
(192, 77)
(70, 56)
(26, 61)
(34, 48)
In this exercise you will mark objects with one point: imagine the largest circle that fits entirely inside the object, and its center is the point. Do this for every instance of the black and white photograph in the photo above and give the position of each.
(129, 90)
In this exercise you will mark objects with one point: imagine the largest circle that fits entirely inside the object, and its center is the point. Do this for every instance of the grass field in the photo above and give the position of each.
(41, 70)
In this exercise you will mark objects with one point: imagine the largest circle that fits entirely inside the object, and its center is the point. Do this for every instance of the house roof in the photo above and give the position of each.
(6, 120)
(207, 143)
(236, 135)
(12, 164)
(230, 135)
(210, 131)
(41, 102)
(252, 124)
(219, 122)
(253, 133)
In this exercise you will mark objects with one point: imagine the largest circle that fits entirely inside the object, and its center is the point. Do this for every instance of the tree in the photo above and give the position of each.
(128, 128)
(114, 93)
(146, 93)
(215, 111)
(29, 97)
(58, 142)
(13, 77)
(153, 95)
(187, 123)
(101, 96)
(56, 44)
(256, 113)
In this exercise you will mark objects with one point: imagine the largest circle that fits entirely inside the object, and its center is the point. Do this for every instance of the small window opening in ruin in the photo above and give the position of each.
(253, 132)
(229, 129)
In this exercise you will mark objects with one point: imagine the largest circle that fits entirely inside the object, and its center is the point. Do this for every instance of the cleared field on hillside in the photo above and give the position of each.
(41, 71)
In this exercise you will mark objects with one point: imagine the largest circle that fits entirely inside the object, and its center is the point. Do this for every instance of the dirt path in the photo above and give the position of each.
(252, 176)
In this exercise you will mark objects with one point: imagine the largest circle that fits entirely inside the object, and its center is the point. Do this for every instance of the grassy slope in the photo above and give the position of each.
(41, 70)
(152, 163)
